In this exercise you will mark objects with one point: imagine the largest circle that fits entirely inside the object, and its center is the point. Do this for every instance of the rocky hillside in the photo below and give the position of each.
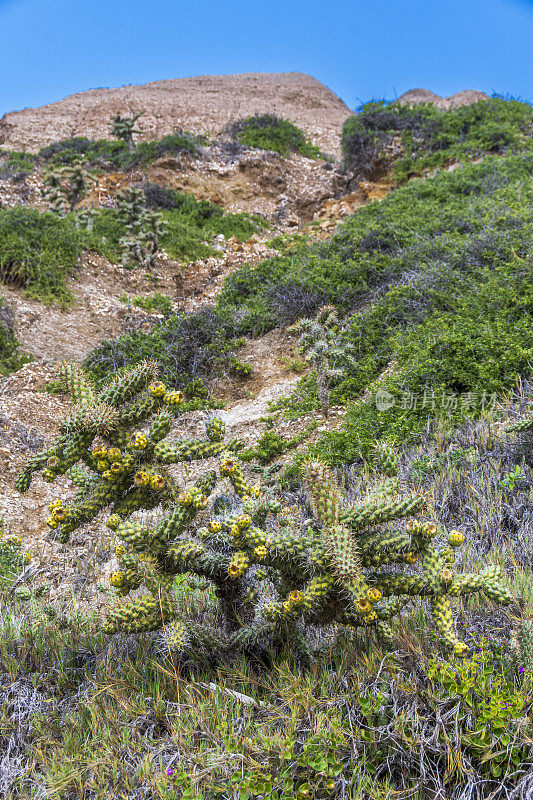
(402, 251)
(205, 104)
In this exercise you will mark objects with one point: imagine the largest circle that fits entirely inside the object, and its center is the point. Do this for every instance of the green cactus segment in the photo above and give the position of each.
(386, 459)
(76, 383)
(378, 510)
(126, 386)
(324, 492)
(327, 350)
(523, 425)
(145, 613)
(173, 452)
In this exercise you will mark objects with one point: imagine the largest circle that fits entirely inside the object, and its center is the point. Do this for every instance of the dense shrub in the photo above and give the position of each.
(187, 347)
(269, 132)
(38, 252)
(412, 139)
(117, 154)
(15, 165)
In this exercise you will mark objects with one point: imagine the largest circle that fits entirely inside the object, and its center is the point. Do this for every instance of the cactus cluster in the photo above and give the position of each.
(325, 349)
(274, 573)
(143, 229)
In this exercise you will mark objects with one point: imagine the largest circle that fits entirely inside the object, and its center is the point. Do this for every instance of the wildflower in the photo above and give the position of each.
(521, 671)
(170, 772)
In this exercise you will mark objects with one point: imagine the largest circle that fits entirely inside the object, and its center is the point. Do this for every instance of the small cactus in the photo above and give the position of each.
(325, 349)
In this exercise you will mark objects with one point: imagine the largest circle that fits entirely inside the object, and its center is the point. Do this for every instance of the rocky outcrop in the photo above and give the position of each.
(205, 104)
(415, 96)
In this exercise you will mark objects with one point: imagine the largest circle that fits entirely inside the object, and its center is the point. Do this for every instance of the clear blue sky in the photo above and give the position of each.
(362, 49)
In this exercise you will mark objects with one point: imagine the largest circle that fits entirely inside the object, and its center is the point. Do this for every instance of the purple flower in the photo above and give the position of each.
(521, 670)
(504, 705)
(170, 771)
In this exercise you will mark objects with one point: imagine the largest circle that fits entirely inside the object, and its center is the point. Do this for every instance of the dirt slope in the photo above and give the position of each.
(203, 104)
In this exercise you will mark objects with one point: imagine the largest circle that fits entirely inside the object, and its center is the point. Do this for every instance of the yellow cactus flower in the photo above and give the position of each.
(99, 452)
(228, 466)
(363, 606)
(117, 579)
(114, 454)
(214, 526)
(141, 478)
(374, 595)
(157, 482)
(139, 441)
(456, 538)
(174, 398)
(59, 513)
(234, 570)
(157, 389)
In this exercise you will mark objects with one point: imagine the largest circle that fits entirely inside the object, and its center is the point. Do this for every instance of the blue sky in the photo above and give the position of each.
(361, 49)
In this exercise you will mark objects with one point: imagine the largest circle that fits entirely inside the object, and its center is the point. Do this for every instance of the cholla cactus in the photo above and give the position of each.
(65, 187)
(124, 128)
(359, 547)
(143, 229)
(273, 574)
(85, 218)
(325, 349)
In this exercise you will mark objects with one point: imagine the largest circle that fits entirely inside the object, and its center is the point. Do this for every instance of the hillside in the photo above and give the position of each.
(267, 527)
(205, 104)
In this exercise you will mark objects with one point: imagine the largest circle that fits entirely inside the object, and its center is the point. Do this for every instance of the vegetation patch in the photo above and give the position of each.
(155, 302)
(10, 359)
(188, 347)
(38, 251)
(16, 165)
(109, 154)
(269, 132)
(410, 139)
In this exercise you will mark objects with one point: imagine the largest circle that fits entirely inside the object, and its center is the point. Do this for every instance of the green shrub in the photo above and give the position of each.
(38, 251)
(10, 360)
(116, 154)
(430, 136)
(187, 346)
(12, 558)
(152, 302)
(15, 165)
(269, 132)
